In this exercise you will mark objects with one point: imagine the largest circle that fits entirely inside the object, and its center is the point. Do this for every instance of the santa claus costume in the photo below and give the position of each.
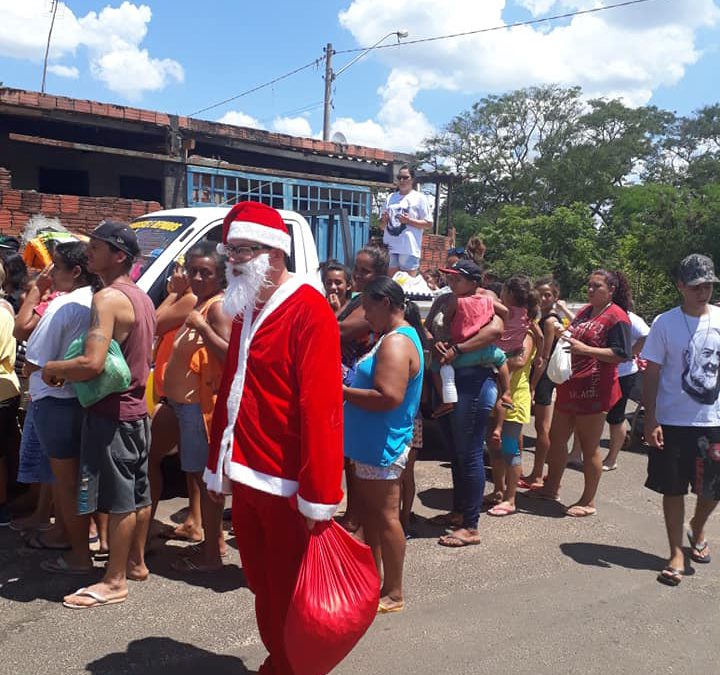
(276, 439)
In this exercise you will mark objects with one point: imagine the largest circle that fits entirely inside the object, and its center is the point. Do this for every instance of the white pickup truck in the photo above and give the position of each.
(166, 236)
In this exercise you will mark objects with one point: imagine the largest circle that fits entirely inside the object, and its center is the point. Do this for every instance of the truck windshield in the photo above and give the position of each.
(154, 236)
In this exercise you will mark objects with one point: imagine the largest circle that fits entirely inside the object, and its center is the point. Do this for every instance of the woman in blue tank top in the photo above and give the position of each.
(380, 409)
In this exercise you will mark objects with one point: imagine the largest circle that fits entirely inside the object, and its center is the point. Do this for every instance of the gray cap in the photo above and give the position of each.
(697, 269)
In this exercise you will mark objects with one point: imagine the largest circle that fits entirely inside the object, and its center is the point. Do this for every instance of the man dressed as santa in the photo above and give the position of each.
(276, 439)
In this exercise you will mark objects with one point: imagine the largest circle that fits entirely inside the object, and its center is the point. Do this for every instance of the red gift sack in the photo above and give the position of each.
(335, 600)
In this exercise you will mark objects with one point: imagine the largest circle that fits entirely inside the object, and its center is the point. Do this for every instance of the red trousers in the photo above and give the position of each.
(272, 537)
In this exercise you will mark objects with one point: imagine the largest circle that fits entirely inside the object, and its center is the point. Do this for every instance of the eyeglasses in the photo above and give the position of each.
(240, 251)
(401, 177)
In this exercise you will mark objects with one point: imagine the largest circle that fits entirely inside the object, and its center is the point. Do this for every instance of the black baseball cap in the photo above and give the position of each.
(9, 243)
(467, 269)
(117, 234)
(697, 269)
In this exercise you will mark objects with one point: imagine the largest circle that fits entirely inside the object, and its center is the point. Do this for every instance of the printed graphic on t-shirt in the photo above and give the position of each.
(394, 226)
(700, 377)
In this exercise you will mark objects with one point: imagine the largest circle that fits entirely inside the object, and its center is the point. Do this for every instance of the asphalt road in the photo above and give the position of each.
(542, 594)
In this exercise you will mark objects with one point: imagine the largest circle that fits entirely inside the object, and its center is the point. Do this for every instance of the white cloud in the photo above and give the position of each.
(64, 71)
(111, 37)
(240, 119)
(294, 126)
(626, 53)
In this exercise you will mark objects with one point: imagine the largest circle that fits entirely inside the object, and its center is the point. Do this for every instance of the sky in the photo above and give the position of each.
(180, 57)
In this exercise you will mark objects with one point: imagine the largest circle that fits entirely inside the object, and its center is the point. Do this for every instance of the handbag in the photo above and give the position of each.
(559, 368)
(115, 377)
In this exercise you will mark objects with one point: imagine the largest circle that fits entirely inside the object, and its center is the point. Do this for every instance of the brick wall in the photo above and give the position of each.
(434, 251)
(78, 214)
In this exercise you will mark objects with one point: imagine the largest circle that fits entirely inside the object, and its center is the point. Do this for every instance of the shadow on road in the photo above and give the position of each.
(605, 555)
(439, 499)
(152, 655)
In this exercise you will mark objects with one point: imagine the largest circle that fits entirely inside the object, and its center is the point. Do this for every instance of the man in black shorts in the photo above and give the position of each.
(116, 429)
(682, 411)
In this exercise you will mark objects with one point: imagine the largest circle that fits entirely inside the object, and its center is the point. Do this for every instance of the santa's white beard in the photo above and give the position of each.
(243, 288)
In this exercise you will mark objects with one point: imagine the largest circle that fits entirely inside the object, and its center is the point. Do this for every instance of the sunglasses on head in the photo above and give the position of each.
(401, 177)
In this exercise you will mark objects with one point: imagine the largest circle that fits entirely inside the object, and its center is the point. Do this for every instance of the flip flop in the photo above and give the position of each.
(100, 600)
(60, 566)
(577, 511)
(457, 542)
(697, 549)
(536, 494)
(36, 542)
(385, 609)
(524, 485)
(670, 576)
(609, 467)
(500, 511)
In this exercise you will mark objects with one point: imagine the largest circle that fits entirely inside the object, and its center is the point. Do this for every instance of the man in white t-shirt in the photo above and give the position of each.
(682, 411)
(406, 215)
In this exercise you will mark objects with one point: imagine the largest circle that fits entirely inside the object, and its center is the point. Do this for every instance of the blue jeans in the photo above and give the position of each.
(477, 394)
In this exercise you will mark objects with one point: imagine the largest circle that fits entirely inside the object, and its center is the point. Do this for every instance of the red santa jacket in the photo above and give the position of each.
(282, 375)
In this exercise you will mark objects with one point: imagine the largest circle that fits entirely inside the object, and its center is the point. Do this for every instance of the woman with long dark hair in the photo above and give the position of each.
(380, 411)
(598, 340)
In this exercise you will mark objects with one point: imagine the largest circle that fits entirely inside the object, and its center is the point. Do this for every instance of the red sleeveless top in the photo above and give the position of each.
(130, 405)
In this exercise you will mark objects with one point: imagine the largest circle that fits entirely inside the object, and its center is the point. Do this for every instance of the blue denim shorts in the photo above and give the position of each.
(405, 262)
(194, 448)
(58, 426)
(34, 463)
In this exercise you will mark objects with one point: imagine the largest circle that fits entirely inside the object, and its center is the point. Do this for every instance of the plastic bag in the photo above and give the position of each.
(335, 600)
(559, 367)
(115, 376)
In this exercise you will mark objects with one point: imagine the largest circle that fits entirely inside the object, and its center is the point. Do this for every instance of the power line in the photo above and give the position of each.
(529, 22)
(315, 62)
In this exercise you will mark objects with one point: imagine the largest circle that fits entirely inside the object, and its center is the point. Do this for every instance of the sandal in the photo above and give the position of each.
(390, 609)
(98, 599)
(499, 511)
(670, 576)
(697, 549)
(454, 541)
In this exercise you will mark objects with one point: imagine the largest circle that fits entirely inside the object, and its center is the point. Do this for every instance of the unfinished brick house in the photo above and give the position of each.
(81, 161)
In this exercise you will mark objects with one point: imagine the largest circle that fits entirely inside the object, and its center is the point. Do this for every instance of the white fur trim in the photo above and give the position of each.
(316, 511)
(270, 236)
(274, 485)
(217, 478)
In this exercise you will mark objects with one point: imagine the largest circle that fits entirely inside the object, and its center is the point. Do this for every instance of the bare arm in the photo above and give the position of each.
(215, 331)
(173, 311)
(520, 361)
(392, 373)
(637, 347)
(651, 379)
(27, 318)
(354, 326)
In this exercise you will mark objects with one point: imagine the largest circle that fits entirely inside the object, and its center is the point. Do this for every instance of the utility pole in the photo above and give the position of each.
(329, 77)
(47, 47)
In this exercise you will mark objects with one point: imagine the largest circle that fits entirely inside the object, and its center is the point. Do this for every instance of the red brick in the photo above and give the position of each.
(147, 116)
(5, 219)
(31, 98)
(99, 108)
(47, 102)
(19, 219)
(12, 199)
(163, 119)
(10, 96)
(116, 111)
(64, 103)
(69, 204)
(5, 179)
(132, 114)
(50, 205)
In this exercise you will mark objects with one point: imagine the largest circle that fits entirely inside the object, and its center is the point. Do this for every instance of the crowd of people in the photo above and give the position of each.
(268, 389)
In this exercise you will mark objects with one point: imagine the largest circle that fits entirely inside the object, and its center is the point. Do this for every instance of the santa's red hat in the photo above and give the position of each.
(256, 222)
